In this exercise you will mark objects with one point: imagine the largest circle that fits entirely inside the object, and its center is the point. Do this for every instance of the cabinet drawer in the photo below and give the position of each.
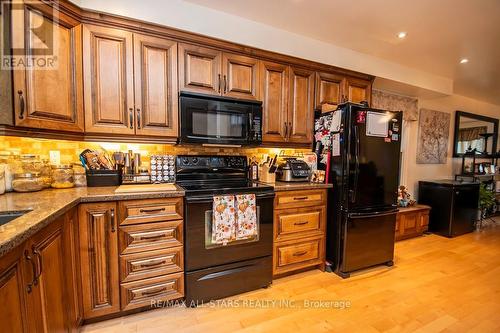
(141, 293)
(150, 236)
(303, 252)
(146, 211)
(297, 222)
(137, 266)
(295, 199)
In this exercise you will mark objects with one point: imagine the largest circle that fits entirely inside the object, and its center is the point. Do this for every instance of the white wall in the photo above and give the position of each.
(206, 21)
(450, 104)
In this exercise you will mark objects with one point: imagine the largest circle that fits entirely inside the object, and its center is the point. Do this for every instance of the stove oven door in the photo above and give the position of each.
(202, 252)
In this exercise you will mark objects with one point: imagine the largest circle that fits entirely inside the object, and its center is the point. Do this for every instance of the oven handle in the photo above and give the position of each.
(209, 198)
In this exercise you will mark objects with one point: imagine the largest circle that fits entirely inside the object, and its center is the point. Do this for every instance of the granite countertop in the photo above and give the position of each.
(46, 206)
(290, 186)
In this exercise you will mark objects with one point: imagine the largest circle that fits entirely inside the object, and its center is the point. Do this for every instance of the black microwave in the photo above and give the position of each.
(215, 120)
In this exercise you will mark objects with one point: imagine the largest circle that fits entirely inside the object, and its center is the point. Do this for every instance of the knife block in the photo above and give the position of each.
(265, 176)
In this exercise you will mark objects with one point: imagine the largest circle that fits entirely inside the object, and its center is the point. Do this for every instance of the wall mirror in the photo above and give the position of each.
(477, 132)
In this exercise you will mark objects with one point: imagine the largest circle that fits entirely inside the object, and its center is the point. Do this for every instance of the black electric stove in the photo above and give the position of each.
(215, 271)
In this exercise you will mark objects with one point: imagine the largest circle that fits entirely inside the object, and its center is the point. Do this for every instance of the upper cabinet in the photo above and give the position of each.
(155, 66)
(329, 89)
(301, 109)
(333, 89)
(130, 83)
(287, 103)
(49, 95)
(199, 69)
(108, 80)
(241, 76)
(358, 90)
(213, 72)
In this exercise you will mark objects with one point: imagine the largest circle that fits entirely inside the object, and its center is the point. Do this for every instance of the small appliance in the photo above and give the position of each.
(293, 170)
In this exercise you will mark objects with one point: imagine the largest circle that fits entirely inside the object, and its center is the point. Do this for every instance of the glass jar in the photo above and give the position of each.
(27, 182)
(79, 177)
(6, 176)
(46, 173)
(62, 176)
(30, 163)
(2, 178)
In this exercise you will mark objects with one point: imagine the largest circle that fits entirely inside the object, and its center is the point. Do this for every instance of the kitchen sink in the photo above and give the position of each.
(6, 217)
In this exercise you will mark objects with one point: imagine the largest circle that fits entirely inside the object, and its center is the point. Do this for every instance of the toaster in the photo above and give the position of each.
(293, 170)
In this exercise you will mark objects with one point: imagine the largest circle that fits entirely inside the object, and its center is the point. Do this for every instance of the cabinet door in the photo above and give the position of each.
(358, 90)
(274, 94)
(12, 292)
(300, 109)
(240, 76)
(98, 240)
(200, 69)
(47, 302)
(48, 96)
(410, 223)
(155, 74)
(328, 89)
(108, 80)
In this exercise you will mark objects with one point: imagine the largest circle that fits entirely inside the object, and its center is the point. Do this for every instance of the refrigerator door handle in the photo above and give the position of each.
(373, 214)
(356, 161)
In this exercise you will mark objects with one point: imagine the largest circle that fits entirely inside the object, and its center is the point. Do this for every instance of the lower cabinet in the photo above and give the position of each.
(131, 254)
(412, 221)
(98, 237)
(299, 230)
(37, 283)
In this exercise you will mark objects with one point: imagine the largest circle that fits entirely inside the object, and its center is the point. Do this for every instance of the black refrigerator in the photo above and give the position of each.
(364, 162)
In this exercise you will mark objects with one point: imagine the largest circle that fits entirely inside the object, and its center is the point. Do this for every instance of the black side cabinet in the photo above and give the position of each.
(454, 205)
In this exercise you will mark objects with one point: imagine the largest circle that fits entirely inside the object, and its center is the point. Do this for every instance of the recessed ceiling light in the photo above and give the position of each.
(402, 35)
(464, 61)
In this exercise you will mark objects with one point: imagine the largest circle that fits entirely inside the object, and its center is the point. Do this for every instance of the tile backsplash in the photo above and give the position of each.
(70, 150)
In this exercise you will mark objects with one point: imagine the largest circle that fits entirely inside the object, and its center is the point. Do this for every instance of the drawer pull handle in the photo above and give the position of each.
(152, 264)
(153, 293)
(154, 210)
(152, 238)
(301, 223)
(300, 198)
(299, 254)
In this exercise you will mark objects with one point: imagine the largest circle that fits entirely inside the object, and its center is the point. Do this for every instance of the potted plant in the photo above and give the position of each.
(486, 202)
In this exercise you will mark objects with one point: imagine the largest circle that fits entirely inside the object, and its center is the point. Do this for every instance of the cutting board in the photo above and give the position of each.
(145, 188)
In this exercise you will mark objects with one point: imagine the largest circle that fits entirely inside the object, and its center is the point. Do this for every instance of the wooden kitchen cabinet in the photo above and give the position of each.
(37, 284)
(274, 94)
(50, 97)
(240, 76)
(412, 221)
(108, 80)
(329, 89)
(200, 69)
(214, 72)
(130, 83)
(300, 107)
(357, 90)
(14, 315)
(156, 95)
(98, 239)
(299, 230)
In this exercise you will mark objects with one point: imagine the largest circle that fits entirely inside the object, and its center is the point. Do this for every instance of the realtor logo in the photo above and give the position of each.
(29, 38)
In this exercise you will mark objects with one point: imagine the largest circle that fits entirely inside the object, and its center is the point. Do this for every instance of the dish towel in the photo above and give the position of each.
(223, 221)
(246, 216)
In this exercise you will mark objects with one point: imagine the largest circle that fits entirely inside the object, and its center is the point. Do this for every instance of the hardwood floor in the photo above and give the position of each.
(436, 285)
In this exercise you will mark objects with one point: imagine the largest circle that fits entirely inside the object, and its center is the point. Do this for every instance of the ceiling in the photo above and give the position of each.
(440, 33)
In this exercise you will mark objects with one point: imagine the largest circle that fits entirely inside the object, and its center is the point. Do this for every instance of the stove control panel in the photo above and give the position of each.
(210, 163)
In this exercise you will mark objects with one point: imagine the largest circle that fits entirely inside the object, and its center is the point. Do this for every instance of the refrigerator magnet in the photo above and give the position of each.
(395, 137)
(387, 139)
(395, 127)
